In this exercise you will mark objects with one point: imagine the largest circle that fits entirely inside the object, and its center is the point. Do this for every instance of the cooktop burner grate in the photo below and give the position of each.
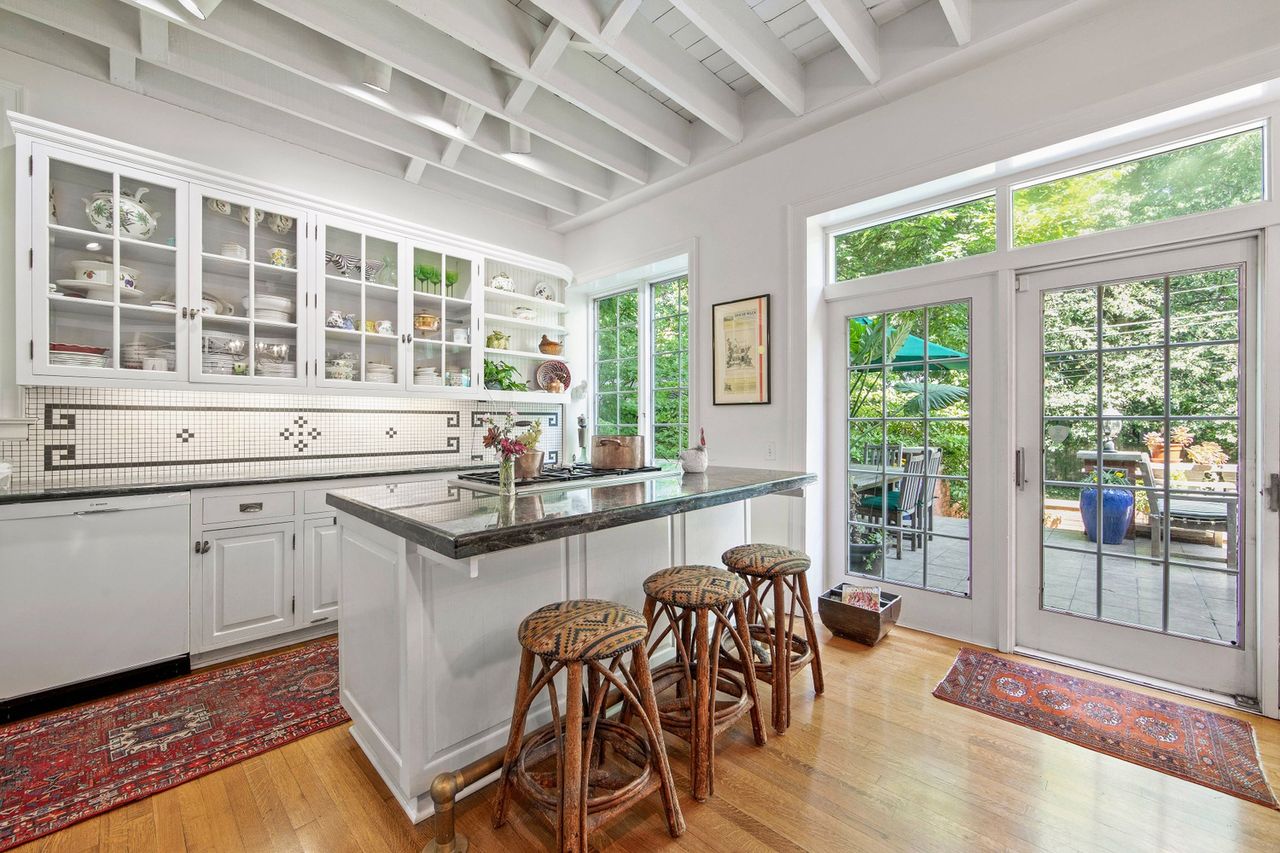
(558, 474)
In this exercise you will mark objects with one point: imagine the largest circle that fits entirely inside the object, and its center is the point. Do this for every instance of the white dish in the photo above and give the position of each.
(275, 303)
(102, 289)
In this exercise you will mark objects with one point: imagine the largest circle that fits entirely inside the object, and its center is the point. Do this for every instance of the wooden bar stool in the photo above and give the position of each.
(777, 569)
(697, 602)
(582, 770)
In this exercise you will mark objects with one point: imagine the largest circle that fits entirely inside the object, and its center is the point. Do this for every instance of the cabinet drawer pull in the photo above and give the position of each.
(204, 547)
(321, 619)
(253, 507)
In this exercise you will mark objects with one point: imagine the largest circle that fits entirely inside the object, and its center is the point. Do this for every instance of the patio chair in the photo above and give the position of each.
(874, 454)
(912, 504)
(1217, 516)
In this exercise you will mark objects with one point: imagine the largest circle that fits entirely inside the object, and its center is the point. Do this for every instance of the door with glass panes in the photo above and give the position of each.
(912, 499)
(1135, 503)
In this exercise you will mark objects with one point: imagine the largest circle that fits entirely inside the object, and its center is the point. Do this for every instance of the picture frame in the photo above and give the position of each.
(740, 353)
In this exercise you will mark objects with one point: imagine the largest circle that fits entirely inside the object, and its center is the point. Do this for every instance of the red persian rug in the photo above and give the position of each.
(1209, 749)
(70, 765)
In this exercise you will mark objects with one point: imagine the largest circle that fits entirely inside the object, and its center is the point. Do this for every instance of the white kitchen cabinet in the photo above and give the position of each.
(233, 285)
(318, 580)
(247, 583)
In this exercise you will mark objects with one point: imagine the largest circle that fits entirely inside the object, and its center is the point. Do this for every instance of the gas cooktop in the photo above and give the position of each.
(559, 477)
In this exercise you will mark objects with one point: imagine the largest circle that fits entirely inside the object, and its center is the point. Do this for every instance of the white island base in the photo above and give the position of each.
(428, 655)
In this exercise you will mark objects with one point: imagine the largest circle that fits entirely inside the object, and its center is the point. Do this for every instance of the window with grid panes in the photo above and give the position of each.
(617, 364)
(670, 366)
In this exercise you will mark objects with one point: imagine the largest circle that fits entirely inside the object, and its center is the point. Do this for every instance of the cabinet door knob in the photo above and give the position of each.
(204, 547)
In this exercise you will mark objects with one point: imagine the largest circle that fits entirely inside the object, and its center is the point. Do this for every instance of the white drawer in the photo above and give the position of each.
(257, 507)
(313, 500)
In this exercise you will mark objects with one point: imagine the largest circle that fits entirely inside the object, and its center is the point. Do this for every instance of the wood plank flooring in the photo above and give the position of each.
(875, 764)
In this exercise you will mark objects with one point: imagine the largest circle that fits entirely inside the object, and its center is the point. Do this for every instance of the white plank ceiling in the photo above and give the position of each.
(553, 109)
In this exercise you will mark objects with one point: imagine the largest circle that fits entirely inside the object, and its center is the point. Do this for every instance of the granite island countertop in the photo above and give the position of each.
(458, 523)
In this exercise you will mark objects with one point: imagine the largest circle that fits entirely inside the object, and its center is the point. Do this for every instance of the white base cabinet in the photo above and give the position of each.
(248, 583)
(265, 561)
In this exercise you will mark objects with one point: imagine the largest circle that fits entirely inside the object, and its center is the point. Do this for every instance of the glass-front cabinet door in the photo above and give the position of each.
(110, 274)
(442, 321)
(361, 315)
(248, 295)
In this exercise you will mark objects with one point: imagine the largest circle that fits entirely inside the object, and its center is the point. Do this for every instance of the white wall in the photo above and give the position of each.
(1140, 56)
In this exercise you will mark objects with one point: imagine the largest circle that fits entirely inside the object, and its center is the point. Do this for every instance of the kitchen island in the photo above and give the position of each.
(435, 578)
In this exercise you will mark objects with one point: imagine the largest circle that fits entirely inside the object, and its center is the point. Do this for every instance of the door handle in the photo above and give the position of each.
(202, 547)
(253, 507)
(1273, 493)
(97, 511)
(1020, 469)
(198, 551)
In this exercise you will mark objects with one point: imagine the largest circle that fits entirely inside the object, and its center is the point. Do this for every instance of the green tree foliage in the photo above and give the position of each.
(670, 367)
(1212, 175)
(927, 238)
(617, 360)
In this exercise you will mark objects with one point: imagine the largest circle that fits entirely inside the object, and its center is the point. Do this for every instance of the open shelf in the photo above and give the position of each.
(525, 324)
(513, 353)
(494, 295)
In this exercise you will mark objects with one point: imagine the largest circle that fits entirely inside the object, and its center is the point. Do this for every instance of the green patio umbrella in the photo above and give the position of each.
(909, 353)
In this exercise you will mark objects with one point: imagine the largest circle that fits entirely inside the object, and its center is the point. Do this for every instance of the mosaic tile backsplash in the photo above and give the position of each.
(85, 437)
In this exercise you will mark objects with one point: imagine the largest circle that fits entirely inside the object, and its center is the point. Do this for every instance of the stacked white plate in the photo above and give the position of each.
(99, 291)
(78, 359)
(424, 375)
(272, 316)
(219, 363)
(278, 369)
(379, 371)
(274, 309)
(132, 354)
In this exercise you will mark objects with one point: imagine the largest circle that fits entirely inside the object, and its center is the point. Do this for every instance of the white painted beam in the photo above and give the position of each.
(414, 169)
(553, 43)
(153, 35)
(746, 38)
(277, 39)
(121, 66)
(960, 17)
(199, 58)
(452, 152)
(647, 51)
(855, 30)
(519, 97)
(496, 29)
(617, 19)
(467, 118)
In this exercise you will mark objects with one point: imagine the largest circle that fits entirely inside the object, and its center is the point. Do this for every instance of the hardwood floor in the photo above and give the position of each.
(876, 763)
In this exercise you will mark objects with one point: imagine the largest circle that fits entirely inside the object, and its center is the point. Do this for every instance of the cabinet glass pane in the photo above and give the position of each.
(74, 192)
(224, 228)
(457, 278)
(275, 239)
(428, 359)
(81, 332)
(148, 339)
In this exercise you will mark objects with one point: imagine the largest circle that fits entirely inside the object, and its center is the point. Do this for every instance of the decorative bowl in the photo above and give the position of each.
(424, 322)
(546, 346)
(343, 264)
(280, 223)
(100, 272)
(542, 290)
(137, 219)
(372, 268)
(257, 216)
(502, 282)
(280, 256)
(552, 372)
(523, 312)
(220, 206)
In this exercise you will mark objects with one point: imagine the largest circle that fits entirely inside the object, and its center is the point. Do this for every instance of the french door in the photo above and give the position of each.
(1135, 392)
(914, 502)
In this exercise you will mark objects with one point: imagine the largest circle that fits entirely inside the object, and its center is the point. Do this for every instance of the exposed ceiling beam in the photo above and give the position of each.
(199, 58)
(553, 43)
(617, 19)
(467, 117)
(274, 38)
(414, 168)
(502, 32)
(960, 16)
(122, 66)
(852, 25)
(153, 36)
(518, 99)
(647, 51)
(740, 33)
(426, 53)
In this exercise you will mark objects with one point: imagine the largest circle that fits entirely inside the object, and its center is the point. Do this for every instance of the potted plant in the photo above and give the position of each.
(1117, 507)
(1179, 438)
(529, 463)
(865, 547)
(502, 376)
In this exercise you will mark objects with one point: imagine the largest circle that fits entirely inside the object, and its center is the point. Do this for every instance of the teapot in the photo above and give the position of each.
(694, 460)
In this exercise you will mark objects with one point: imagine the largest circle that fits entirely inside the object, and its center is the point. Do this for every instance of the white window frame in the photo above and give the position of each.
(643, 288)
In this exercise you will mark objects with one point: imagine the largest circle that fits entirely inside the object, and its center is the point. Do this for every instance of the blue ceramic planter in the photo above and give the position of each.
(1117, 512)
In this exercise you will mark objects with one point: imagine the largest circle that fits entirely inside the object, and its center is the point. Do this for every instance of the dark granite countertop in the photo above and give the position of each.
(461, 523)
(19, 494)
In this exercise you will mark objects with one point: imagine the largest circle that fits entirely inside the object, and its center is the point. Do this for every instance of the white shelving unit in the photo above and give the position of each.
(523, 335)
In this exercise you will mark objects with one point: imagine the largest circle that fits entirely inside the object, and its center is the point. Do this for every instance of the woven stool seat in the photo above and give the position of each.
(695, 586)
(766, 561)
(583, 629)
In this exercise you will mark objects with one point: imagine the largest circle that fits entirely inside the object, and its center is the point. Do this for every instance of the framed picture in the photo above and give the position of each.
(740, 352)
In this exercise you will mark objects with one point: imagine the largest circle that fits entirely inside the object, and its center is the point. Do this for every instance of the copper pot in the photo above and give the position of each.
(528, 464)
(617, 451)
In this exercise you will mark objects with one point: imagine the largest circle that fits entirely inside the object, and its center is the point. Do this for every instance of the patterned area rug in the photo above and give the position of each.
(70, 765)
(1209, 749)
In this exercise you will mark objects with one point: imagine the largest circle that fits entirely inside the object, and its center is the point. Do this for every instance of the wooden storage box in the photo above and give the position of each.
(858, 623)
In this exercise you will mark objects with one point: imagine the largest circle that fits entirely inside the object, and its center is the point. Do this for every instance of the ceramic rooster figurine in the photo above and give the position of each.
(694, 460)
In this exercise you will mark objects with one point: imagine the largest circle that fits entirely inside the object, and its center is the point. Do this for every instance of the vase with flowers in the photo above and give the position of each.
(502, 437)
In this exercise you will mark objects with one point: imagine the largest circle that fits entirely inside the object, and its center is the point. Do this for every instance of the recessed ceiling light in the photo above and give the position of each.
(377, 75)
(93, 247)
(200, 8)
